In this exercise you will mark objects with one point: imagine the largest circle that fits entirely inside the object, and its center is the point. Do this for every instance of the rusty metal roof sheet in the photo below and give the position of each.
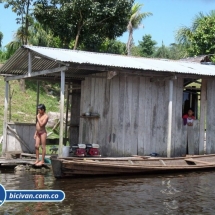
(47, 58)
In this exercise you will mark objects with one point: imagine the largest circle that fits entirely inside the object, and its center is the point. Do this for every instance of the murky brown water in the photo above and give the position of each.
(184, 194)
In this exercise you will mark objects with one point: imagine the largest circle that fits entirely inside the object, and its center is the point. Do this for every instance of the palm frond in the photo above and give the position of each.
(182, 35)
(196, 21)
(136, 15)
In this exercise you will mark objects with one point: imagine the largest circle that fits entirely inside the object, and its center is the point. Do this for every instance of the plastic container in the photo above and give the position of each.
(65, 152)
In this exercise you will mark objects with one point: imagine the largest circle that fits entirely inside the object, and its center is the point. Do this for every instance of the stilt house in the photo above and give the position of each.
(128, 105)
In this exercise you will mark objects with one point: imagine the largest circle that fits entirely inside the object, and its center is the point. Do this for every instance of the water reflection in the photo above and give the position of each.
(165, 194)
(39, 181)
(170, 202)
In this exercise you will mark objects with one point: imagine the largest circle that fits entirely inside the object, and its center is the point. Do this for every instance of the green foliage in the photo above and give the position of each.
(1, 37)
(99, 44)
(136, 16)
(9, 50)
(135, 51)
(162, 52)
(12, 47)
(213, 59)
(177, 51)
(148, 49)
(22, 9)
(42, 36)
(199, 38)
(83, 20)
(203, 38)
(113, 46)
(3, 55)
(92, 42)
(147, 46)
(38, 36)
(23, 104)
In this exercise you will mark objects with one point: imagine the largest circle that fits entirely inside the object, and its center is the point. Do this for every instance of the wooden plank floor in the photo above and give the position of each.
(16, 161)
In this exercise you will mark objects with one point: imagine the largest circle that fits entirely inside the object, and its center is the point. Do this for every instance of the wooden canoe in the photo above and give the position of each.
(75, 166)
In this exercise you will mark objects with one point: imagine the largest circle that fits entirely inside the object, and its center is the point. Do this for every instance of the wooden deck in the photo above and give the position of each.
(5, 162)
(15, 158)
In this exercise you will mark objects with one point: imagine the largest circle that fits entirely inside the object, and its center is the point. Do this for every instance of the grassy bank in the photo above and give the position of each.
(22, 105)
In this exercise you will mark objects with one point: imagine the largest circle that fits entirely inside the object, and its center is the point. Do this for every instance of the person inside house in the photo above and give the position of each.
(40, 133)
(189, 117)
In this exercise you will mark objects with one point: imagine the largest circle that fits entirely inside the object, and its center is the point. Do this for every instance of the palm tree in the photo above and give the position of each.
(184, 33)
(135, 22)
(40, 35)
(37, 36)
(162, 52)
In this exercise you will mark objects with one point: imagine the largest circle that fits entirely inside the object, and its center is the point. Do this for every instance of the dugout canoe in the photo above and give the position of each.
(74, 166)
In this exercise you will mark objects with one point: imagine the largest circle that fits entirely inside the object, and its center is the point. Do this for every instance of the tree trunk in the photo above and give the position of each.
(130, 39)
(22, 85)
(27, 23)
(77, 38)
(22, 35)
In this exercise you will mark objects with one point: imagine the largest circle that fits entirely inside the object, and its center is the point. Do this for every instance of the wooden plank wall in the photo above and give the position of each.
(203, 109)
(179, 140)
(210, 117)
(133, 115)
(75, 116)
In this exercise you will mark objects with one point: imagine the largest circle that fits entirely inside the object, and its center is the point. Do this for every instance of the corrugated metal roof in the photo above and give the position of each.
(47, 58)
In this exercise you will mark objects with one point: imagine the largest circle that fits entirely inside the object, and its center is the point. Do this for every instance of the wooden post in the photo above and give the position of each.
(169, 126)
(29, 63)
(38, 96)
(4, 146)
(203, 106)
(67, 108)
(9, 102)
(62, 89)
(75, 117)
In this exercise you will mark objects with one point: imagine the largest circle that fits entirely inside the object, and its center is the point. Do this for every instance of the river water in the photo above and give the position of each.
(184, 194)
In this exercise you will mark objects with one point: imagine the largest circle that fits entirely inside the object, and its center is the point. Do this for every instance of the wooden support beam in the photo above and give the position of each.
(162, 78)
(191, 88)
(67, 107)
(33, 74)
(55, 80)
(29, 63)
(203, 107)
(38, 97)
(4, 145)
(169, 126)
(62, 92)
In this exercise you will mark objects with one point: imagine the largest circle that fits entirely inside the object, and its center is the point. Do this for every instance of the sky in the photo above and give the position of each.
(168, 16)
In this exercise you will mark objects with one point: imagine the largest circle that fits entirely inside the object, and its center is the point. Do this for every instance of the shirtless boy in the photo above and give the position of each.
(40, 133)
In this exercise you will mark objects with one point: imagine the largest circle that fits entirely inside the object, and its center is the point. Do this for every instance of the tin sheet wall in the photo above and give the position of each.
(22, 134)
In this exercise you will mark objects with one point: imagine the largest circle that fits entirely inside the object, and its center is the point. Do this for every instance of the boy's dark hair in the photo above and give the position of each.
(191, 109)
(41, 107)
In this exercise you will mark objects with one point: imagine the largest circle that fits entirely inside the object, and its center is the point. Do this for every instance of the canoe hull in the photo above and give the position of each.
(73, 167)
